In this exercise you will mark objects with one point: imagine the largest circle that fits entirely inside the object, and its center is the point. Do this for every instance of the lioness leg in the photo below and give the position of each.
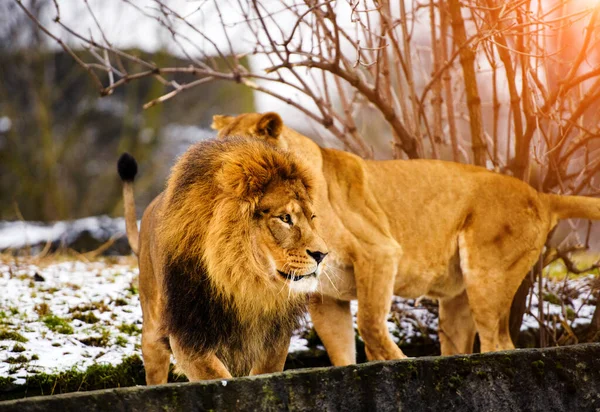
(457, 329)
(333, 322)
(491, 291)
(374, 287)
(198, 366)
(156, 355)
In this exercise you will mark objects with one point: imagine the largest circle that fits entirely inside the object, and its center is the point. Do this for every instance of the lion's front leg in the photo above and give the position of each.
(274, 358)
(198, 366)
(375, 275)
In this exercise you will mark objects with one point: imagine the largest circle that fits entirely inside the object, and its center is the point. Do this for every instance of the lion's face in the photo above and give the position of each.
(287, 237)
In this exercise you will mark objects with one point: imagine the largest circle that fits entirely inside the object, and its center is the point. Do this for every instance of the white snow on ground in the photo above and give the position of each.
(31, 304)
(577, 305)
(106, 290)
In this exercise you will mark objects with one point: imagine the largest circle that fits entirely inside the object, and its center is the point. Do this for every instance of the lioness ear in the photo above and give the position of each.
(270, 124)
(220, 121)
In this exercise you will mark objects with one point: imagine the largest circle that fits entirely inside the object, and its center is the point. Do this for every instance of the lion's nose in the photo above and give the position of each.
(317, 256)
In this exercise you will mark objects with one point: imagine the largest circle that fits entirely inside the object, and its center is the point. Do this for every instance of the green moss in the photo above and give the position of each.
(481, 374)
(538, 367)
(571, 314)
(412, 369)
(130, 329)
(16, 359)
(128, 373)
(35, 357)
(10, 335)
(270, 398)
(132, 289)
(58, 324)
(87, 317)
(6, 381)
(454, 381)
(97, 341)
(99, 305)
(18, 348)
(552, 298)
(120, 302)
(121, 341)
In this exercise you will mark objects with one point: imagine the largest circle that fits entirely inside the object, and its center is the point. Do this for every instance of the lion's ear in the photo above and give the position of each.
(270, 124)
(242, 181)
(220, 121)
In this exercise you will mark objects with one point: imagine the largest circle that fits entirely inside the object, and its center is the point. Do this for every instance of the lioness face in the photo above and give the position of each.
(288, 237)
(265, 126)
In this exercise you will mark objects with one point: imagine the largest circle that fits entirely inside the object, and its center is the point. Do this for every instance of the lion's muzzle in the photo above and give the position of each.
(295, 278)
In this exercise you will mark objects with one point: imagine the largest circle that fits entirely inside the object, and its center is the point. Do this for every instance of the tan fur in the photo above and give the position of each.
(458, 233)
(132, 229)
(230, 224)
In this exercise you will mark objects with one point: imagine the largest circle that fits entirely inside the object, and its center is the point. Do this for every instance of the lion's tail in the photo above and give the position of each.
(567, 207)
(127, 167)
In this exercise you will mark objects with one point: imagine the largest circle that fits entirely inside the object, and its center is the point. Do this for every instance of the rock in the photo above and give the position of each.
(555, 379)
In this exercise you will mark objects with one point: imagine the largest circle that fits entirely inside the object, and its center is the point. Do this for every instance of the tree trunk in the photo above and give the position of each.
(467, 61)
(519, 306)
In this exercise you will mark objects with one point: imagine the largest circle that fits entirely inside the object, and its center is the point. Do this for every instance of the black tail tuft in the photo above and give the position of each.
(127, 167)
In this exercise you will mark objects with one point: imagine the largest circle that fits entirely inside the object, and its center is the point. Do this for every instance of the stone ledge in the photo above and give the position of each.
(554, 379)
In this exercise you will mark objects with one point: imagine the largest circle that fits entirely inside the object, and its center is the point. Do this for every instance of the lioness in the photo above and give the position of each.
(458, 233)
(227, 255)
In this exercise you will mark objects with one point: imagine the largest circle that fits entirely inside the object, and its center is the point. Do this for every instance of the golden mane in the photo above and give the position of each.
(234, 175)
(228, 256)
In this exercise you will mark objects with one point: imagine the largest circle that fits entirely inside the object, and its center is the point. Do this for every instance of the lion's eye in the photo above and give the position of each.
(313, 217)
(286, 219)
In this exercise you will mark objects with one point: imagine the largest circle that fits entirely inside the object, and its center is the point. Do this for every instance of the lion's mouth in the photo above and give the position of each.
(294, 278)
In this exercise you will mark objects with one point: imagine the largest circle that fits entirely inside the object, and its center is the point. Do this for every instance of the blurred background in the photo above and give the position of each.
(476, 82)
(59, 140)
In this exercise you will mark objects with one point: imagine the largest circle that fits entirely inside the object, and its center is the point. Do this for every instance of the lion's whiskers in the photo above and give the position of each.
(282, 287)
(330, 281)
(329, 266)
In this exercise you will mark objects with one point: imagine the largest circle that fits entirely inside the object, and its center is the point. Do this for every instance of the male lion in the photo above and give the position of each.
(227, 255)
(458, 233)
